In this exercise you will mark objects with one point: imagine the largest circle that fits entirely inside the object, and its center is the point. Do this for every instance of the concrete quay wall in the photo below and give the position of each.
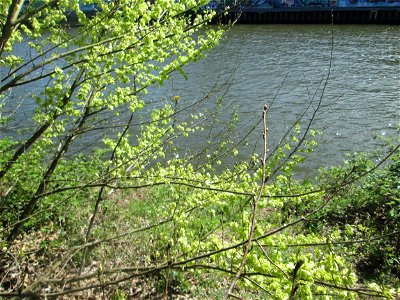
(314, 16)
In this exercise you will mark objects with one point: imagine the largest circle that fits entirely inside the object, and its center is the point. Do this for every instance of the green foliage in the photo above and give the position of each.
(369, 208)
(106, 64)
(51, 210)
(119, 295)
(130, 204)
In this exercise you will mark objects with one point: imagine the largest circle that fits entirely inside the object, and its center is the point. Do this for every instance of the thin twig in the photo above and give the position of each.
(253, 218)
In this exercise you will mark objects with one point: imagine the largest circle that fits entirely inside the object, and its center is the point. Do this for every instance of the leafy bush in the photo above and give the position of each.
(368, 209)
(52, 209)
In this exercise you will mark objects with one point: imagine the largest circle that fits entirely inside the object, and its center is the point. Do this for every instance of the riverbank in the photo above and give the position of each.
(248, 14)
(313, 15)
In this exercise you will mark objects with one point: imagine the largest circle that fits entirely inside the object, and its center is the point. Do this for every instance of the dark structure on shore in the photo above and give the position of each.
(310, 11)
(296, 11)
(314, 16)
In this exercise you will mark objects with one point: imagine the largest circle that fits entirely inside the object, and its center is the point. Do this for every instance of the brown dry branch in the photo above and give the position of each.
(100, 194)
(254, 209)
(103, 179)
(10, 25)
(29, 207)
(327, 198)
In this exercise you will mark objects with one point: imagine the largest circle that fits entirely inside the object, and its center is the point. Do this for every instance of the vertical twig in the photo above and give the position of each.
(253, 217)
(167, 272)
(101, 193)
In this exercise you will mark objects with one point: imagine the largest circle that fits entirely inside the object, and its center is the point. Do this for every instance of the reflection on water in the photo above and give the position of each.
(286, 67)
(361, 99)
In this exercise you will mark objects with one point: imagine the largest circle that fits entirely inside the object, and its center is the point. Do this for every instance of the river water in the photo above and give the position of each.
(353, 70)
